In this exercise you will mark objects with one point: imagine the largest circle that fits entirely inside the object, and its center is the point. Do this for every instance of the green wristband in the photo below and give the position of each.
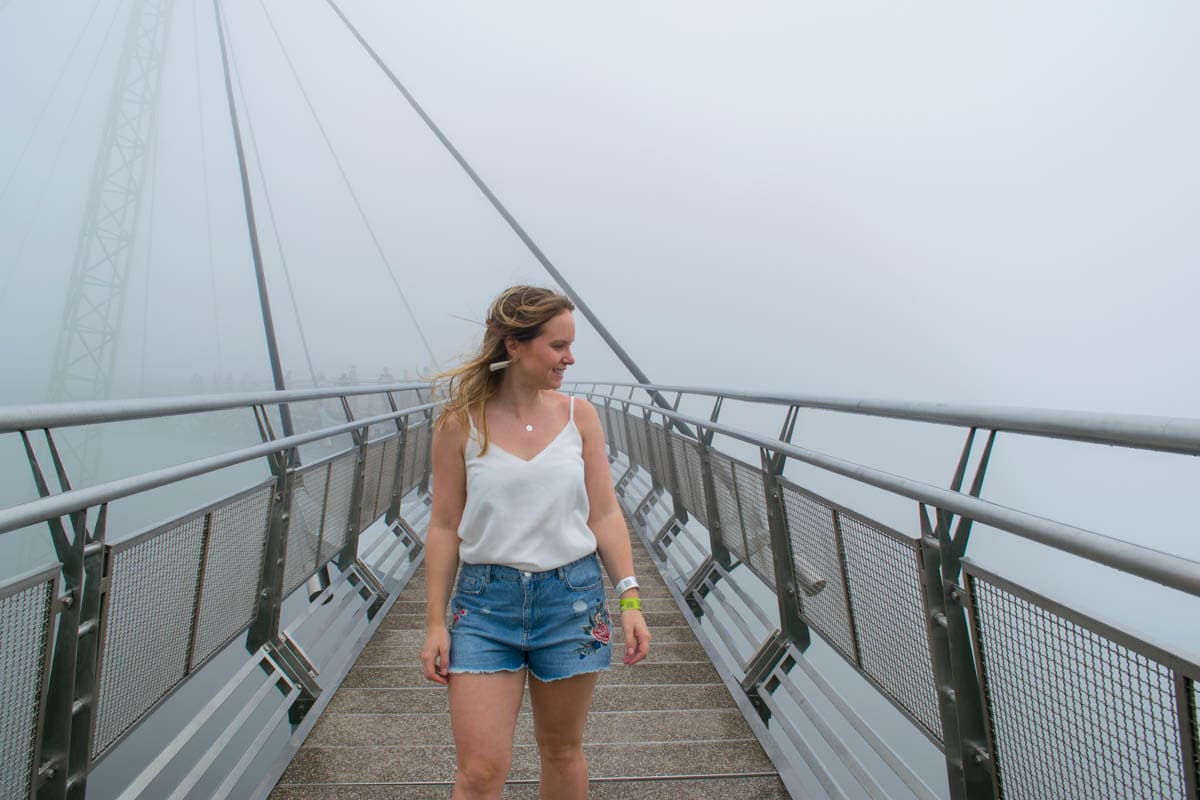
(631, 603)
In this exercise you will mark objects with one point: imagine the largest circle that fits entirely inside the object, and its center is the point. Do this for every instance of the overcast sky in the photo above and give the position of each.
(968, 201)
(980, 201)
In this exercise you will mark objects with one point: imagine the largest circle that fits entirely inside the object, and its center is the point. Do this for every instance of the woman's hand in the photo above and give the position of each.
(435, 654)
(637, 635)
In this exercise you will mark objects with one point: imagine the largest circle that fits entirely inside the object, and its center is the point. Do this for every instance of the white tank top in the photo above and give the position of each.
(530, 515)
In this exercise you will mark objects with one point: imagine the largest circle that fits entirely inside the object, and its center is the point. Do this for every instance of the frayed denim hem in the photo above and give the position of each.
(572, 675)
(495, 671)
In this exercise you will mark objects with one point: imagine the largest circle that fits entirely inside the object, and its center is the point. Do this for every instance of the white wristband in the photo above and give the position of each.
(625, 584)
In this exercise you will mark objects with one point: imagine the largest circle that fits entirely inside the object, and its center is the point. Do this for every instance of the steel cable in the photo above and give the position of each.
(525, 238)
(349, 186)
(49, 99)
(57, 160)
(262, 176)
(212, 274)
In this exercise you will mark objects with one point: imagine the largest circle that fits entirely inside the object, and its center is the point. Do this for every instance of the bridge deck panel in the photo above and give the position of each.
(663, 729)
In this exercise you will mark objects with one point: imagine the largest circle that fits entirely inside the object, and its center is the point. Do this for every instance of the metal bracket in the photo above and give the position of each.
(657, 544)
(624, 479)
(290, 659)
(643, 508)
(401, 528)
(769, 656)
(955, 544)
(371, 579)
(697, 585)
(792, 575)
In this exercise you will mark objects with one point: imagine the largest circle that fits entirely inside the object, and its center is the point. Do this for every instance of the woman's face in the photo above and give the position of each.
(544, 358)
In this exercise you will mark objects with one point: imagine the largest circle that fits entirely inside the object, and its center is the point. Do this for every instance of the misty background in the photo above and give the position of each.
(952, 202)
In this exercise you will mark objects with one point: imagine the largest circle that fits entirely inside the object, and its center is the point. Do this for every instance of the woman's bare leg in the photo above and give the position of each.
(483, 716)
(560, 710)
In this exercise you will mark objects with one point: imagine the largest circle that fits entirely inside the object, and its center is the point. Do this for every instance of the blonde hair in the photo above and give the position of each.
(518, 312)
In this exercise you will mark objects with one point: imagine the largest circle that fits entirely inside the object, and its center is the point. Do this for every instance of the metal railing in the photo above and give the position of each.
(90, 647)
(1025, 696)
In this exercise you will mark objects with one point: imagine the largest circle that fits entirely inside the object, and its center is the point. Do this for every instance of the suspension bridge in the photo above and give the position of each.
(263, 642)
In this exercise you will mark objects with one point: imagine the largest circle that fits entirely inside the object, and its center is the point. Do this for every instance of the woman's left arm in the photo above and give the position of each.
(608, 524)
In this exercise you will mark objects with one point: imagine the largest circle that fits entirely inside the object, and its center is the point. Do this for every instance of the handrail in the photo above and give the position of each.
(1166, 434)
(1172, 571)
(60, 415)
(58, 505)
(938, 637)
(232, 569)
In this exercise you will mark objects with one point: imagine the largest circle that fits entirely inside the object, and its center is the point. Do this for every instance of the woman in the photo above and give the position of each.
(524, 496)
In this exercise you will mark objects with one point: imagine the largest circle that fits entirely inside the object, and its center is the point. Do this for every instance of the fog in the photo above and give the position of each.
(954, 202)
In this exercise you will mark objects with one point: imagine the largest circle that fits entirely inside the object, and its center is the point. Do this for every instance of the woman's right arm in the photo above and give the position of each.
(441, 544)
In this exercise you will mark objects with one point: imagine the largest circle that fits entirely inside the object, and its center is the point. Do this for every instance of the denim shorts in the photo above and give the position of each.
(555, 623)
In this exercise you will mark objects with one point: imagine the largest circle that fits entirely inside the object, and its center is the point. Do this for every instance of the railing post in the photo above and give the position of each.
(393, 507)
(792, 628)
(426, 466)
(265, 626)
(64, 758)
(349, 554)
(720, 552)
(970, 763)
(678, 514)
(787, 590)
(623, 421)
(680, 510)
(612, 439)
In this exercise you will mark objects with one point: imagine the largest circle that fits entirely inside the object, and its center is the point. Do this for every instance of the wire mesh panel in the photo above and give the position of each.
(696, 490)
(663, 459)
(1077, 708)
(387, 479)
(408, 469)
(887, 602)
(1194, 699)
(645, 443)
(337, 506)
(636, 429)
(304, 527)
(682, 490)
(407, 398)
(756, 530)
(148, 624)
(816, 542)
(600, 412)
(371, 478)
(25, 625)
(232, 570)
(616, 424)
(727, 504)
(420, 439)
(652, 456)
(426, 452)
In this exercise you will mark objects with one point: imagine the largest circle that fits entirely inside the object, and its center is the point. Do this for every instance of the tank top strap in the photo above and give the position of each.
(571, 399)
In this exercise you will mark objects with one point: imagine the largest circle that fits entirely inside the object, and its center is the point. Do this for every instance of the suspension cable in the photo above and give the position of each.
(512, 222)
(349, 186)
(285, 412)
(154, 158)
(49, 99)
(208, 236)
(37, 204)
(262, 176)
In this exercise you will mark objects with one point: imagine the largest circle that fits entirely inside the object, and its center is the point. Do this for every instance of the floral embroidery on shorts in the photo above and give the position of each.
(462, 612)
(599, 631)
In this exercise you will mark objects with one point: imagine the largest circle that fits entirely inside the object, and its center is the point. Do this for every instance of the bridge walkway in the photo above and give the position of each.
(665, 728)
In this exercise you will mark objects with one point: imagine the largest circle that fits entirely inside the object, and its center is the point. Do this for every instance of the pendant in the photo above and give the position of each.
(529, 428)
